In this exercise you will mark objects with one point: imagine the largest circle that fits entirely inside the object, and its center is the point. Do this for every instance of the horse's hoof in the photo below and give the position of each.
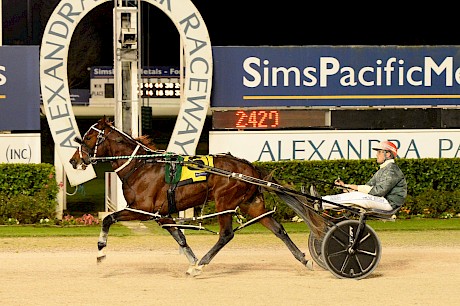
(100, 258)
(309, 265)
(190, 270)
(194, 270)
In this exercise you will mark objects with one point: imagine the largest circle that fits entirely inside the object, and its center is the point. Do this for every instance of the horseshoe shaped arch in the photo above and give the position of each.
(195, 99)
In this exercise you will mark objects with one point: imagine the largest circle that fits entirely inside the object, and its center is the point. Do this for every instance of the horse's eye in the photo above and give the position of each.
(88, 138)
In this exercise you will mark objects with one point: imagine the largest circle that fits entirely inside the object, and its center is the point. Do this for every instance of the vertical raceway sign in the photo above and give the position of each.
(55, 89)
(19, 88)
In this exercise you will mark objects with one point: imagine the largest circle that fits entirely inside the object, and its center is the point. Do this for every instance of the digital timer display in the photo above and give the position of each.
(160, 89)
(257, 119)
(263, 119)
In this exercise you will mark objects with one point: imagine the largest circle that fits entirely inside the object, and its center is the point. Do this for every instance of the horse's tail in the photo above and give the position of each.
(267, 176)
(263, 173)
(315, 222)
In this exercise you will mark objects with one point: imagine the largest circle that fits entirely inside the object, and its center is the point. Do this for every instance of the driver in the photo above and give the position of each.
(386, 190)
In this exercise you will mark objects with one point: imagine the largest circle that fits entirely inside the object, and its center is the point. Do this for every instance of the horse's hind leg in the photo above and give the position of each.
(281, 233)
(225, 235)
(256, 209)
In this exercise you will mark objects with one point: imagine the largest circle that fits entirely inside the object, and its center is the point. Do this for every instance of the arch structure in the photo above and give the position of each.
(196, 93)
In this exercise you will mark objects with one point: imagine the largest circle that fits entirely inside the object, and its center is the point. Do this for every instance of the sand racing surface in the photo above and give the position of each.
(254, 269)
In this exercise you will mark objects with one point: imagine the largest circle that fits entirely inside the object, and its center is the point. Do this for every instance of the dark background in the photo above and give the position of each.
(251, 23)
(256, 23)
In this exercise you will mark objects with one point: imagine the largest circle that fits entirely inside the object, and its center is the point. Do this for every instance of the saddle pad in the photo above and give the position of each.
(175, 173)
(191, 175)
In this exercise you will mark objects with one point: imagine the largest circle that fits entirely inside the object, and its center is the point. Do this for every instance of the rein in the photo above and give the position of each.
(147, 156)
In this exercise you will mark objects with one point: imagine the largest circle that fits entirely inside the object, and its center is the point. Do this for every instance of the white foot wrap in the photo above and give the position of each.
(194, 270)
(100, 256)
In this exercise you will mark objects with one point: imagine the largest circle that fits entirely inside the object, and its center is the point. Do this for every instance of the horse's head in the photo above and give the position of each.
(92, 144)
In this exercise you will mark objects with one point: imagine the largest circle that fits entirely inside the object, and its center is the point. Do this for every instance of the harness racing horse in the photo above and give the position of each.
(146, 191)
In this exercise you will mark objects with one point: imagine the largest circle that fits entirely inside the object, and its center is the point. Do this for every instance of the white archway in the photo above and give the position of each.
(55, 90)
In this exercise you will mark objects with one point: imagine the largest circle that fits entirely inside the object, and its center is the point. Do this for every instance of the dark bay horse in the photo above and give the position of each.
(145, 190)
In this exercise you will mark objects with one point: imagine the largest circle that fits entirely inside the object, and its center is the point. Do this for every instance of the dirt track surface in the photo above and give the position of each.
(251, 270)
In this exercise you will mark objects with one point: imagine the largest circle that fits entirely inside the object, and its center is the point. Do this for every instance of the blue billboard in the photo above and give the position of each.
(336, 76)
(19, 88)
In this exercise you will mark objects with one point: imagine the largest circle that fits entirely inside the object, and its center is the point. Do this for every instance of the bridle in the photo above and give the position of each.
(101, 136)
(84, 148)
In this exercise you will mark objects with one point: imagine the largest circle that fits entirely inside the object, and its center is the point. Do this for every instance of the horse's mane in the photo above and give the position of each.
(147, 141)
(144, 139)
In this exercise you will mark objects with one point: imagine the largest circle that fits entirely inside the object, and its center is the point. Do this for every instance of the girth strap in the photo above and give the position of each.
(172, 208)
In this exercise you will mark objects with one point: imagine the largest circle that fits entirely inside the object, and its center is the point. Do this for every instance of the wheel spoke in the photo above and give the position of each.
(366, 252)
(365, 238)
(345, 263)
(343, 244)
(338, 253)
(361, 269)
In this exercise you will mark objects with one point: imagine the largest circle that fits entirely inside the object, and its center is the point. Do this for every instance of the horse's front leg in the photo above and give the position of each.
(102, 242)
(179, 236)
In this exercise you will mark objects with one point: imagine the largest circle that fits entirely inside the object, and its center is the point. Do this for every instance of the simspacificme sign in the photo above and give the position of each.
(55, 89)
(336, 76)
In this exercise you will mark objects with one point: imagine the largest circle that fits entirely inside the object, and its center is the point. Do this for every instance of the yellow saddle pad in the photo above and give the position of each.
(191, 175)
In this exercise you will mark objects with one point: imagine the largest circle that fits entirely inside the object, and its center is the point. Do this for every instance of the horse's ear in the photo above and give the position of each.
(103, 121)
(78, 140)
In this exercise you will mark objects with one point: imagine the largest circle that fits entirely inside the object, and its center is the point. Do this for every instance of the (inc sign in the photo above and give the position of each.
(20, 148)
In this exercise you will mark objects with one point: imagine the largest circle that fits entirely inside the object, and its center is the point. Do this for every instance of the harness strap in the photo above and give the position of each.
(171, 194)
(129, 159)
(154, 215)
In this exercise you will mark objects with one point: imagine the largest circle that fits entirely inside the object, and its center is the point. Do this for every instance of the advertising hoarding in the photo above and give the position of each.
(328, 145)
(336, 76)
(19, 88)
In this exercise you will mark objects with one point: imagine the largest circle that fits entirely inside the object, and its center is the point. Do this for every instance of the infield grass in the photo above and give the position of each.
(119, 230)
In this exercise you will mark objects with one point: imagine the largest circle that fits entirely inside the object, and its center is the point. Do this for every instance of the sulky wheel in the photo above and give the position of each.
(314, 246)
(345, 262)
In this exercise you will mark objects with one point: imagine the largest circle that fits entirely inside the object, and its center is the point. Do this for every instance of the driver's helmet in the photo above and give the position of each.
(387, 145)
